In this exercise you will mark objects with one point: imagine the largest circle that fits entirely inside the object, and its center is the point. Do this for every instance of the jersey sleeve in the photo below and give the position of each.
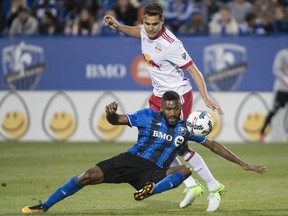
(197, 139)
(178, 55)
(139, 118)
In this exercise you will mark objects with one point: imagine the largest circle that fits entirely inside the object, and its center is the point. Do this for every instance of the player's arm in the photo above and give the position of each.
(133, 31)
(228, 155)
(200, 83)
(113, 117)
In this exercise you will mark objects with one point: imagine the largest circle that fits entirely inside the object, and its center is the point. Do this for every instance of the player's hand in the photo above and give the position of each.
(111, 22)
(259, 169)
(111, 108)
(214, 106)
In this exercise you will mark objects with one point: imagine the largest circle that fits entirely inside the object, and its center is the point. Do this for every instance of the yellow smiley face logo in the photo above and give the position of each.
(109, 131)
(253, 124)
(15, 124)
(63, 125)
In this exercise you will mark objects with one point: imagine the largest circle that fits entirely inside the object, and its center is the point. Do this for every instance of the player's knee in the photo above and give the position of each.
(188, 172)
(185, 170)
(92, 176)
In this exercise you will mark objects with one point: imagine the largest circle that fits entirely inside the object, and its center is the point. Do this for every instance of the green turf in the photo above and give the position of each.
(33, 171)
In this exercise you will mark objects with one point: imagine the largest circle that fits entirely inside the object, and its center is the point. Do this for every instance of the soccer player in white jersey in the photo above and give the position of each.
(165, 57)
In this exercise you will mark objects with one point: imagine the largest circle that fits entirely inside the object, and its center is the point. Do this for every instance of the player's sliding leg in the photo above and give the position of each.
(69, 188)
(201, 169)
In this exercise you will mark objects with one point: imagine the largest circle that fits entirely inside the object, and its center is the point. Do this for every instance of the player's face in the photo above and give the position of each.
(153, 25)
(171, 111)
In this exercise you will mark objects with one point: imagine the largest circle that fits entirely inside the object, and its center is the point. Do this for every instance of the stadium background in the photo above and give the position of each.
(55, 88)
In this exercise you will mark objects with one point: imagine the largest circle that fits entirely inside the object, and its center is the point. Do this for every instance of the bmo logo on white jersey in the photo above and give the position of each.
(162, 135)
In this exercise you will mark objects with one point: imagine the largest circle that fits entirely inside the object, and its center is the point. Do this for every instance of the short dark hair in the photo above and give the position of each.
(153, 9)
(170, 95)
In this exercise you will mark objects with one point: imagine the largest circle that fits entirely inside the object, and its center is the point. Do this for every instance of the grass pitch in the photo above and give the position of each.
(32, 171)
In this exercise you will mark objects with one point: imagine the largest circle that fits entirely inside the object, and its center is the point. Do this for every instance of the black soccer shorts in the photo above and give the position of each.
(131, 169)
(281, 99)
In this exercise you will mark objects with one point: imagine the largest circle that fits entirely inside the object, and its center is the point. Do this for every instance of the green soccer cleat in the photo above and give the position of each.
(33, 209)
(214, 198)
(145, 192)
(191, 194)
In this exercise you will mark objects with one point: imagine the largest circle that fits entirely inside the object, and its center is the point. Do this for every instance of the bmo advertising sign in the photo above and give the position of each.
(117, 71)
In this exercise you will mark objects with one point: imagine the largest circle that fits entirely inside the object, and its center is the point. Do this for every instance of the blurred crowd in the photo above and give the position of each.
(183, 17)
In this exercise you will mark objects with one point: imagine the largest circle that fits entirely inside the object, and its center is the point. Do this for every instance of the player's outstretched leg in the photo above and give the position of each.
(199, 166)
(69, 188)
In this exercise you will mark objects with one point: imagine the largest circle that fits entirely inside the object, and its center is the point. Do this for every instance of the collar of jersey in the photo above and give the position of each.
(160, 33)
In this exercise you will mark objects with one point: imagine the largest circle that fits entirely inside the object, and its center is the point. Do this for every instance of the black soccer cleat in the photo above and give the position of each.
(33, 209)
(145, 192)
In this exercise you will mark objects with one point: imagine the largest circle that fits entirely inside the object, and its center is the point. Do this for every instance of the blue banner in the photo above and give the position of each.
(116, 63)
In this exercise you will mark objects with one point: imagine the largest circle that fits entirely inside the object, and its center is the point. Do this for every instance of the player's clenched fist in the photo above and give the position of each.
(111, 108)
(111, 22)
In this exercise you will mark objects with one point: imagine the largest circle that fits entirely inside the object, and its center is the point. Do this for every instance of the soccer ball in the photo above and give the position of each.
(199, 123)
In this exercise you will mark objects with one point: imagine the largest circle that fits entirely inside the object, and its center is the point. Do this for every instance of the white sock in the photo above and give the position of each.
(190, 181)
(199, 166)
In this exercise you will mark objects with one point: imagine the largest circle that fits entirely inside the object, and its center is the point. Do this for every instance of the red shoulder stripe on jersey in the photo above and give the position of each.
(186, 65)
(167, 37)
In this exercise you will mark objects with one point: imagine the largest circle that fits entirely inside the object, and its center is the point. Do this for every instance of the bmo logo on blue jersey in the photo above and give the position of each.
(162, 135)
(179, 140)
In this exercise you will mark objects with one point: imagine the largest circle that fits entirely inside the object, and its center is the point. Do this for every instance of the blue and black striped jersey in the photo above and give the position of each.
(157, 141)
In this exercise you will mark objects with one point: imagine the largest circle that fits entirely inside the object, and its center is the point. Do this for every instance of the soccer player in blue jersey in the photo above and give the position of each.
(146, 165)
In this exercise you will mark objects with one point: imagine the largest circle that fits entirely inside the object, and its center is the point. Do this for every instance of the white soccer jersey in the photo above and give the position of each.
(165, 57)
